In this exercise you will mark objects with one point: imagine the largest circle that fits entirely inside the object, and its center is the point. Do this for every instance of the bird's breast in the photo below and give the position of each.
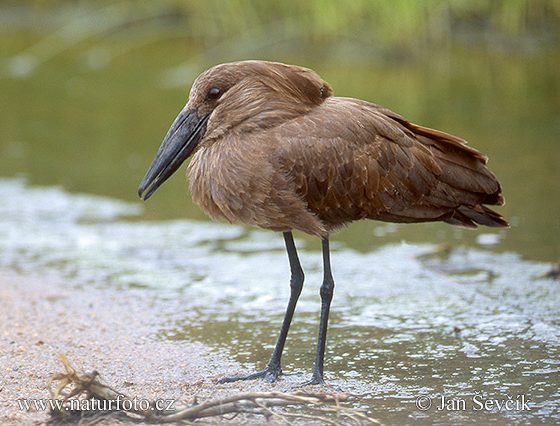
(238, 181)
(209, 185)
(229, 183)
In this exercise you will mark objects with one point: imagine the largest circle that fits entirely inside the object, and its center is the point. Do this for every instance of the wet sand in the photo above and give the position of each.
(113, 333)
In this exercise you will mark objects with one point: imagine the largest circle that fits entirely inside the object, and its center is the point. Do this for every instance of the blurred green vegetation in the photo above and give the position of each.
(90, 87)
(369, 23)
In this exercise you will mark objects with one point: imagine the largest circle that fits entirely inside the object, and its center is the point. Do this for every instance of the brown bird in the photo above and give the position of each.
(272, 147)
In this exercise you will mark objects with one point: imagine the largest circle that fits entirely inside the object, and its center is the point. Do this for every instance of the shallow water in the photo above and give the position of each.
(408, 320)
(451, 312)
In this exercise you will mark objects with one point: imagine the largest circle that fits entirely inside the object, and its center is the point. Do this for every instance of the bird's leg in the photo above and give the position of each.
(327, 289)
(273, 369)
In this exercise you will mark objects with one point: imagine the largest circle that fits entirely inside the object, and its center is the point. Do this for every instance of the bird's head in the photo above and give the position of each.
(240, 97)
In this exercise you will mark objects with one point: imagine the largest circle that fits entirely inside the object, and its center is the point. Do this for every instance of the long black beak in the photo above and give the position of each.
(180, 141)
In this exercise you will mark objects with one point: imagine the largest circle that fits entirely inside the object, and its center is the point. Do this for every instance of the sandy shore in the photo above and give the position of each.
(114, 333)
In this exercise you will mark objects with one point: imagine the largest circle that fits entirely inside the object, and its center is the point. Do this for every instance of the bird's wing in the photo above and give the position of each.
(351, 159)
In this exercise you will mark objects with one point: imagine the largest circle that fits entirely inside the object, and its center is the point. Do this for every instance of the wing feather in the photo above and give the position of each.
(350, 159)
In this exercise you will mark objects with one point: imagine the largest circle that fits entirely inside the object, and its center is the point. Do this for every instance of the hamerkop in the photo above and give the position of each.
(272, 147)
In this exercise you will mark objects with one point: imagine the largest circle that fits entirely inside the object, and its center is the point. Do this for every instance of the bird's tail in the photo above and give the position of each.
(466, 175)
(471, 216)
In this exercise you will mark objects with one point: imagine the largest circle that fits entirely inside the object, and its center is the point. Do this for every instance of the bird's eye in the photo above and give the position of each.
(214, 93)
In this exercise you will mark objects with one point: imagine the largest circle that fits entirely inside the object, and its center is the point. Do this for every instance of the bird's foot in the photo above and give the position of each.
(316, 379)
(269, 374)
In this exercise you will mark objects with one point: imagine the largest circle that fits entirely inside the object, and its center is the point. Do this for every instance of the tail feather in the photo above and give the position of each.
(483, 216)
(458, 181)
(458, 218)
(466, 177)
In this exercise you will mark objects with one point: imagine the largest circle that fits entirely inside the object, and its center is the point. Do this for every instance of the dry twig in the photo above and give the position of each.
(75, 390)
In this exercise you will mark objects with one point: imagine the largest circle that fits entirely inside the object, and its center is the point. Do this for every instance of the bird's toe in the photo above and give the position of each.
(269, 374)
(315, 380)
